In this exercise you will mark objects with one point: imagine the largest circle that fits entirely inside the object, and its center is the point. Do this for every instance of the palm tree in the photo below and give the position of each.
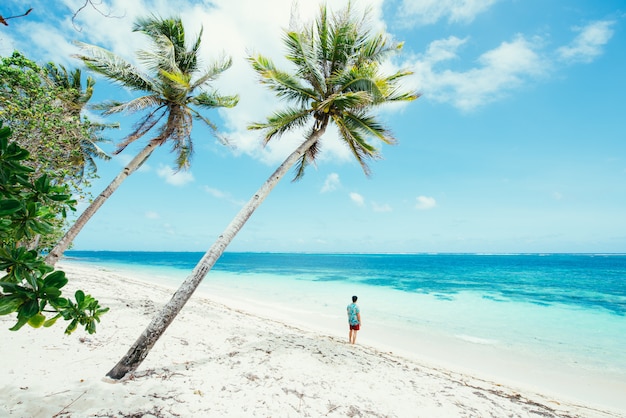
(337, 81)
(176, 85)
(76, 140)
(74, 101)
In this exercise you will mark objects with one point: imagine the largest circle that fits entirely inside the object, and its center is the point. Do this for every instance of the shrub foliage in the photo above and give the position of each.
(29, 207)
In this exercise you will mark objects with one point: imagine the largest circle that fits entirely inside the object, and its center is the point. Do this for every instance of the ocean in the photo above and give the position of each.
(536, 318)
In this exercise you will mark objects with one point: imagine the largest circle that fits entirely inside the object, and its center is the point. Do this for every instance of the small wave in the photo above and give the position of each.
(476, 340)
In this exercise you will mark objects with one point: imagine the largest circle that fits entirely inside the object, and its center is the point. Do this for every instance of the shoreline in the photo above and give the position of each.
(220, 359)
(546, 371)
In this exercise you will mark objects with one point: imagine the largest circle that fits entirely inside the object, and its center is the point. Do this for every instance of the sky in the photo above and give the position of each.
(516, 145)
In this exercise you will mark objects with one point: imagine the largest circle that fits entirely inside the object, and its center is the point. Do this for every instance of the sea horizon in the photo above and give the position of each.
(479, 253)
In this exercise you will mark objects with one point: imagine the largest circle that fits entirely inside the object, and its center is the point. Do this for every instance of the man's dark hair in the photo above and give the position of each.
(354, 298)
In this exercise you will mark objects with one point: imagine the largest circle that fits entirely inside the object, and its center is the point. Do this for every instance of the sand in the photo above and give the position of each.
(217, 361)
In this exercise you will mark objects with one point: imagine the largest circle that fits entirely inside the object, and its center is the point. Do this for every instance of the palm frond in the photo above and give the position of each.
(307, 158)
(369, 126)
(155, 26)
(173, 30)
(89, 151)
(161, 57)
(323, 37)
(395, 93)
(177, 130)
(188, 61)
(359, 137)
(343, 39)
(115, 68)
(216, 133)
(303, 55)
(212, 72)
(356, 143)
(178, 80)
(207, 121)
(88, 93)
(284, 84)
(70, 83)
(341, 102)
(213, 100)
(364, 77)
(282, 121)
(184, 152)
(99, 127)
(92, 150)
(132, 106)
(376, 48)
(144, 125)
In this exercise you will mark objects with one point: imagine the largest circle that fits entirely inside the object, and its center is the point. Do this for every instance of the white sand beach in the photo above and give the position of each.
(218, 360)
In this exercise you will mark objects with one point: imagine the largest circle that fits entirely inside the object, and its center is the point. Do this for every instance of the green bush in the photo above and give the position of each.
(29, 208)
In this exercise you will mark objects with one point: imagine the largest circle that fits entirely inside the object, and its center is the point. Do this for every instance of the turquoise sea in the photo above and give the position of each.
(533, 317)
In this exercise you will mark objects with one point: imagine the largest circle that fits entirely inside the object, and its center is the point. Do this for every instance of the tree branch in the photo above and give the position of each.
(3, 20)
(95, 5)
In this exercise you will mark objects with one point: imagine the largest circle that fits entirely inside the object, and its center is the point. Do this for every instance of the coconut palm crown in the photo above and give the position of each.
(173, 88)
(337, 80)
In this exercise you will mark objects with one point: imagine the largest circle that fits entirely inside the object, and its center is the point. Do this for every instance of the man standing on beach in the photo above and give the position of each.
(354, 320)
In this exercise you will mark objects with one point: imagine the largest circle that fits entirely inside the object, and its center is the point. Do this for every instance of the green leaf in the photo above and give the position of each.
(20, 323)
(29, 309)
(59, 303)
(59, 197)
(71, 327)
(80, 298)
(36, 321)
(9, 206)
(51, 321)
(55, 279)
(10, 304)
(9, 287)
(52, 293)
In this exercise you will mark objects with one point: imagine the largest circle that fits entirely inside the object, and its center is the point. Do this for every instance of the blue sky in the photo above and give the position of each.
(516, 145)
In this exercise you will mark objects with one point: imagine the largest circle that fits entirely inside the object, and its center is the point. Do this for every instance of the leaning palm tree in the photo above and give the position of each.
(337, 80)
(176, 84)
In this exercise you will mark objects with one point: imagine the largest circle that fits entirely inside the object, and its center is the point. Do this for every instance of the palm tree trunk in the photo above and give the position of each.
(140, 349)
(91, 210)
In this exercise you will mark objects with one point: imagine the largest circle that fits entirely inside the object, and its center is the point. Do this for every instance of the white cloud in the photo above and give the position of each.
(214, 192)
(381, 208)
(431, 11)
(357, 198)
(152, 215)
(444, 49)
(589, 42)
(175, 178)
(500, 70)
(169, 229)
(219, 194)
(332, 183)
(425, 203)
